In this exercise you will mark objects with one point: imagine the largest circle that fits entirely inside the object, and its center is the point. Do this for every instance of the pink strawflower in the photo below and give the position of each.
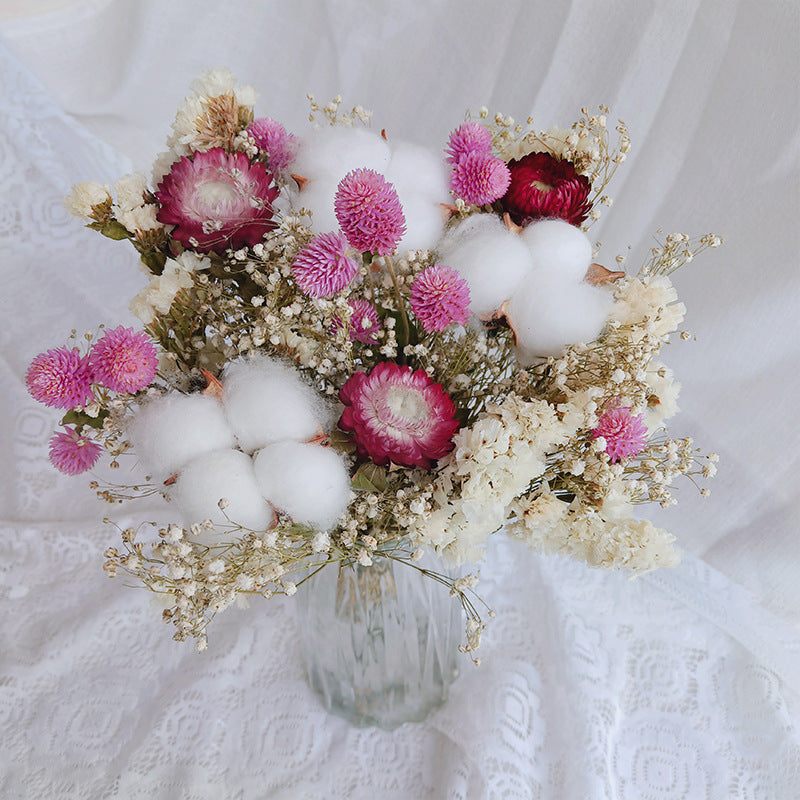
(471, 137)
(323, 267)
(365, 324)
(480, 178)
(625, 434)
(124, 360)
(60, 378)
(398, 414)
(72, 453)
(217, 200)
(369, 212)
(439, 297)
(279, 145)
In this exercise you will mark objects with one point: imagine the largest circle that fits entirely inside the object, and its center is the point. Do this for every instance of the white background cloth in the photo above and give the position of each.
(683, 684)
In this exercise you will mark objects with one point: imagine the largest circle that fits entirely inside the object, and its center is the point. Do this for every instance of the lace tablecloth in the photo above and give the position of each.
(681, 684)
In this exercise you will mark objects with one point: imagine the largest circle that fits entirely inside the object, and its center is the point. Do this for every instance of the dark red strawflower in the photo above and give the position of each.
(542, 186)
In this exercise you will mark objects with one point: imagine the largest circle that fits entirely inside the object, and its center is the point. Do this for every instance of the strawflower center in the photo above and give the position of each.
(541, 186)
(407, 404)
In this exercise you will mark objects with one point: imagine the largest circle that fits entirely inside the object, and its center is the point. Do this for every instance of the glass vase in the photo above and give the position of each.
(381, 642)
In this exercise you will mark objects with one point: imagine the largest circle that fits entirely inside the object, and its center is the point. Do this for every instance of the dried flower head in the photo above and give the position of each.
(323, 267)
(60, 378)
(440, 297)
(72, 453)
(124, 360)
(271, 137)
(471, 137)
(625, 435)
(479, 178)
(369, 212)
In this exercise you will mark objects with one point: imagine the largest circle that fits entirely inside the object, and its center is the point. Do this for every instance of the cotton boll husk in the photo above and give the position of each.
(228, 474)
(557, 246)
(548, 313)
(332, 152)
(266, 401)
(310, 483)
(415, 170)
(492, 260)
(168, 431)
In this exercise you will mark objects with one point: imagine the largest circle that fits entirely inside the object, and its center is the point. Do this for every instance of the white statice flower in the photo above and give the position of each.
(651, 298)
(159, 295)
(84, 197)
(140, 219)
(189, 130)
(663, 392)
(535, 513)
(129, 191)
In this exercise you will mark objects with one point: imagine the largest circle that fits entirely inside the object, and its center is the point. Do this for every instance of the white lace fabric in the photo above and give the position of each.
(678, 685)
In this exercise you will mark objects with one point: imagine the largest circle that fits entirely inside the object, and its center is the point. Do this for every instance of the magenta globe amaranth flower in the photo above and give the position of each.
(398, 414)
(60, 378)
(323, 267)
(625, 435)
(439, 297)
(369, 212)
(217, 200)
(124, 360)
(72, 453)
(471, 137)
(479, 178)
(365, 324)
(271, 137)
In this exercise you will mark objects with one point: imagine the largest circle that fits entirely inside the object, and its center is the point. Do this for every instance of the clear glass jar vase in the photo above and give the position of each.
(381, 642)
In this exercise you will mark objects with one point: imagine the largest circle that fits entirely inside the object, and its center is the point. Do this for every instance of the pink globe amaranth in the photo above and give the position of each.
(625, 434)
(365, 324)
(217, 200)
(398, 414)
(271, 137)
(323, 267)
(124, 360)
(479, 178)
(60, 378)
(470, 137)
(440, 297)
(72, 453)
(369, 212)
(542, 186)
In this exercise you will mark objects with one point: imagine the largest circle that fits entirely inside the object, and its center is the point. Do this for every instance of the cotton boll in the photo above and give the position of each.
(557, 246)
(169, 431)
(424, 223)
(266, 401)
(466, 230)
(310, 483)
(415, 170)
(332, 152)
(492, 260)
(209, 478)
(548, 313)
(317, 196)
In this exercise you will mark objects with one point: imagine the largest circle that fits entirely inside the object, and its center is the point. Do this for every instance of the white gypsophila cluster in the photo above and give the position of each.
(419, 177)
(85, 197)
(663, 395)
(494, 461)
(535, 277)
(648, 299)
(193, 127)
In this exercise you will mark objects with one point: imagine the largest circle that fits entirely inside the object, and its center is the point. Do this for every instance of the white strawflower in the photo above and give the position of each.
(83, 198)
(130, 191)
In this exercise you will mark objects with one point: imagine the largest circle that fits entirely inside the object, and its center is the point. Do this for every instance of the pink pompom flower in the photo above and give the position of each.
(323, 267)
(365, 324)
(480, 178)
(60, 378)
(124, 360)
(271, 137)
(217, 200)
(398, 414)
(439, 297)
(72, 453)
(625, 435)
(369, 212)
(471, 137)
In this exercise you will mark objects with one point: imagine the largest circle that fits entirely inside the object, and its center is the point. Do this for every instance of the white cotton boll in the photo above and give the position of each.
(333, 152)
(548, 313)
(557, 246)
(310, 483)
(415, 170)
(424, 223)
(169, 431)
(492, 260)
(317, 196)
(209, 478)
(266, 401)
(469, 228)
